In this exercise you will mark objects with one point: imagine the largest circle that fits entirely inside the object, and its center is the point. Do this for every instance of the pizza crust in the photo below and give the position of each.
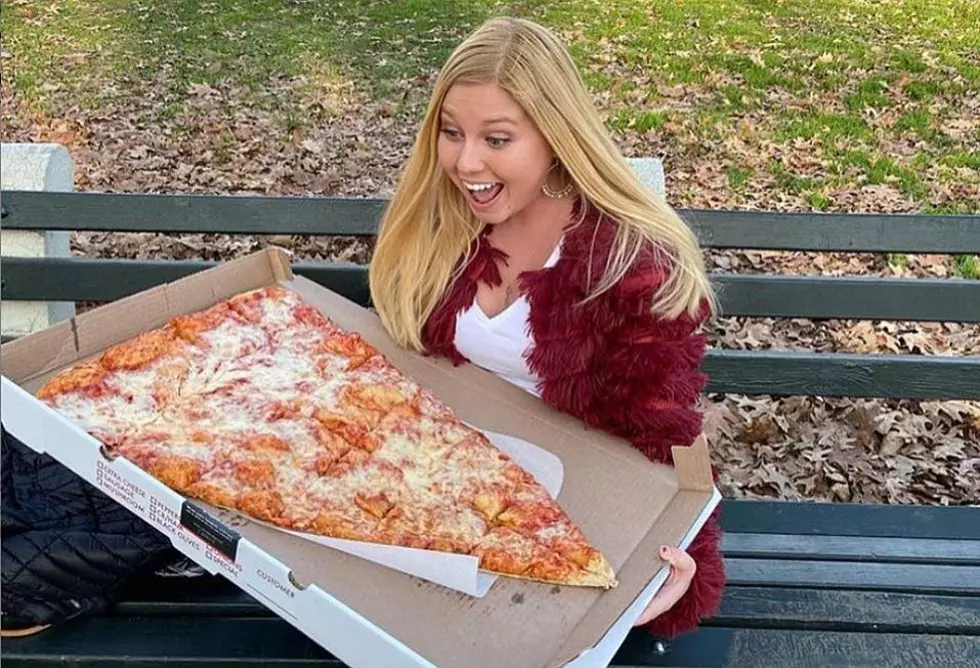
(602, 577)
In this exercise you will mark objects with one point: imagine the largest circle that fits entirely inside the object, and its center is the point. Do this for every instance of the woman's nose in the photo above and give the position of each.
(470, 159)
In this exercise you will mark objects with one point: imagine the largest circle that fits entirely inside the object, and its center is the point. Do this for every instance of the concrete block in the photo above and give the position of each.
(651, 173)
(44, 167)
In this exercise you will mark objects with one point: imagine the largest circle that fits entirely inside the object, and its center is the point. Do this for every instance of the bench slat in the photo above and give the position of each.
(814, 518)
(343, 216)
(953, 300)
(225, 214)
(826, 609)
(914, 578)
(856, 232)
(857, 297)
(790, 373)
(764, 648)
(236, 603)
(103, 280)
(177, 641)
(851, 548)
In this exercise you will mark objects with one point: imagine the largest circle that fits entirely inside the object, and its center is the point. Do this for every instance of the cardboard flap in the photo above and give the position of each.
(45, 350)
(279, 260)
(693, 466)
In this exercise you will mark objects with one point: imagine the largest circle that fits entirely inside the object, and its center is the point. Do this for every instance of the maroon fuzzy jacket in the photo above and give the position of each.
(609, 363)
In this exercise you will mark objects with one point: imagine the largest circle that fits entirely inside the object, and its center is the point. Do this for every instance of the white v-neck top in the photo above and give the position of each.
(498, 344)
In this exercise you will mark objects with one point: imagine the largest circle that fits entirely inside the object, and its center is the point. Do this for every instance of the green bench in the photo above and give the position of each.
(810, 584)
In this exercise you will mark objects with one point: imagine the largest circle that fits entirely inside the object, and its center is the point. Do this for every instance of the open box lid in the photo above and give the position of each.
(625, 504)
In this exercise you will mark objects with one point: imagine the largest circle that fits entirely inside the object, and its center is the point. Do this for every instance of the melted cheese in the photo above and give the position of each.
(111, 414)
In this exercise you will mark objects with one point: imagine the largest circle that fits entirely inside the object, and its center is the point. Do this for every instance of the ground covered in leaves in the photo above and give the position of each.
(826, 105)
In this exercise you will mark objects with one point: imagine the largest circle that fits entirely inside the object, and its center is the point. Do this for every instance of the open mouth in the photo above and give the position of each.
(483, 194)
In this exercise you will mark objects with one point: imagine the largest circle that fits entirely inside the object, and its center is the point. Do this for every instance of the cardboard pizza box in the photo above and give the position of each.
(354, 607)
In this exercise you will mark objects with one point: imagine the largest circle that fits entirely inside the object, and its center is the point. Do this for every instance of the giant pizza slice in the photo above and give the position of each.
(263, 405)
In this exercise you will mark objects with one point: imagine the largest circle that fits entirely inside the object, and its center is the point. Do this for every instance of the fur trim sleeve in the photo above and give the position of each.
(439, 331)
(651, 387)
(651, 371)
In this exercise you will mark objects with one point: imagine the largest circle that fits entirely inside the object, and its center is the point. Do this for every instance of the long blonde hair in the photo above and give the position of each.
(428, 227)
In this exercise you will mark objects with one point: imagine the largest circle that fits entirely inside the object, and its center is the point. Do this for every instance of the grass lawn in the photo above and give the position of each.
(821, 104)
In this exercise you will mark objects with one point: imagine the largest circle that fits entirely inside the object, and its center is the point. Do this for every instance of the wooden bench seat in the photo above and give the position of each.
(813, 584)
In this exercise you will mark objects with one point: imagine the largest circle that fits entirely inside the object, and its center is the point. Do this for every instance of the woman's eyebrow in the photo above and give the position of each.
(500, 119)
(448, 115)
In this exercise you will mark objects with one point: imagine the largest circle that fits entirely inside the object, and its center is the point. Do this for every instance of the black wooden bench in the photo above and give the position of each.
(810, 584)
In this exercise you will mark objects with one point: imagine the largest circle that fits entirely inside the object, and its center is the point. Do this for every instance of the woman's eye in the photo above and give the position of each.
(450, 133)
(497, 142)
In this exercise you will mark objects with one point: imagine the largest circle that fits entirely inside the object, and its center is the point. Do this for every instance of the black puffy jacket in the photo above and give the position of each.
(67, 547)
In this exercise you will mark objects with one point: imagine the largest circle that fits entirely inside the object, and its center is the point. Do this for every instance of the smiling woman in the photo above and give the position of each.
(519, 239)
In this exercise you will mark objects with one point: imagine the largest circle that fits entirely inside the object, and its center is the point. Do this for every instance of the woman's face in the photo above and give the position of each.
(492, 151)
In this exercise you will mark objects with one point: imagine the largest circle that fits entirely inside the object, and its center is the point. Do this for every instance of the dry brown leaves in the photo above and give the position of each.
(288, 142)
(838, 449)
(846, 450)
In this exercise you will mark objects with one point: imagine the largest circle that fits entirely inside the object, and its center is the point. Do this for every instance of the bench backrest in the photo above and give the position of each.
(768, 372)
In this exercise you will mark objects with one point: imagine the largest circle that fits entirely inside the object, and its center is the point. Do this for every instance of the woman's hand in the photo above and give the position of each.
(682, 569)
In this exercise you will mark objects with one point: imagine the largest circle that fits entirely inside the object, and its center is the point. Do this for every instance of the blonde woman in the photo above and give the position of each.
(520, 240)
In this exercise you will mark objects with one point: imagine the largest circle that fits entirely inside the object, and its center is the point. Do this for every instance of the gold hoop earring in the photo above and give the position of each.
(555, 194)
